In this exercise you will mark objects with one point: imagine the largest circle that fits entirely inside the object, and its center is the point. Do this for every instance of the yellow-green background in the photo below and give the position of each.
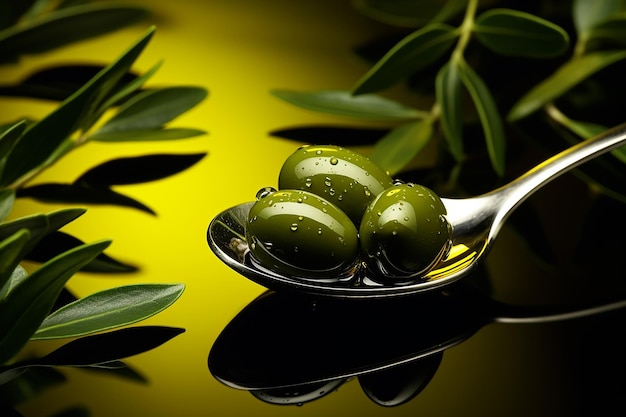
(239, 50)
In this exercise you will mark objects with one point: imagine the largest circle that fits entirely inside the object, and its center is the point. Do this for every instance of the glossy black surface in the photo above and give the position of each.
(288, 349)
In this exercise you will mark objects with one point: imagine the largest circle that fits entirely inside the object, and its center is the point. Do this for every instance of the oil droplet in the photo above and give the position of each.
(319, 231)
(300, 218)
(299, 200)
(334, 161)
(308, 182)
(327, 182)
(294, 227)
(318, 152)
(368, 193)
(264, 192)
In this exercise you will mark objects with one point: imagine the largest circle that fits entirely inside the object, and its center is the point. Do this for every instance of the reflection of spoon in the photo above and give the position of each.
(282, 340)
(475, 220)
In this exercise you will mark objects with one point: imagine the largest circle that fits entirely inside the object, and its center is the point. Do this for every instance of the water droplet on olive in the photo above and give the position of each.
(264, 192)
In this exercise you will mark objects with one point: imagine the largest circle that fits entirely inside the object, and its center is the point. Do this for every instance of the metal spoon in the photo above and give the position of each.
(476, 222)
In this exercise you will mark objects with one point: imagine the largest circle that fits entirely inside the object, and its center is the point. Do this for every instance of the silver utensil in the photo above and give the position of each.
(475, 222)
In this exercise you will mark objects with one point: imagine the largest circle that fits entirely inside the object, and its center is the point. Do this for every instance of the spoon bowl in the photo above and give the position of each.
(475, 222)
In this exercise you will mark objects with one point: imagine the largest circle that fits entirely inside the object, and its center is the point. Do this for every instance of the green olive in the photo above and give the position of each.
(300, 234)
(404, 232)
(344, 177)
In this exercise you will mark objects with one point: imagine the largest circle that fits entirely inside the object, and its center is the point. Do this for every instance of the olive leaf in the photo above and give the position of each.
(61, 217)
(401, 145)
(586, 130)
(516, 33)
(8, 138)
(11, 251)
(448, 87)
(58, 242)
(139, 135)
(126, 90)
(409, 13)
(39, 225)
(611, 30)
(25, 306)
(339, 135)
(153, 108)
(414, 52)
(343, 103)
(40, 140)
(18, 275)
(7, 199)
(490, 118)
(108, 309)
(566, 77)
(12, 11)
(63, 26)
(586, 14)
(10, 135)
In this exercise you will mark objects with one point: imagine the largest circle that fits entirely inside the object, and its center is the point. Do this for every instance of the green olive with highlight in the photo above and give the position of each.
(404, 232)
(300, 234)
(343, 177)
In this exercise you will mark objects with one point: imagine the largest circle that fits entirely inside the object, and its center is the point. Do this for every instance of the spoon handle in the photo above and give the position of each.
(518, 190)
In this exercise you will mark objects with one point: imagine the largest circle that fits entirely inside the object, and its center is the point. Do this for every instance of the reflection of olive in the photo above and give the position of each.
(343, 177)
(398, 385)
(404, 231)
(300, 234)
